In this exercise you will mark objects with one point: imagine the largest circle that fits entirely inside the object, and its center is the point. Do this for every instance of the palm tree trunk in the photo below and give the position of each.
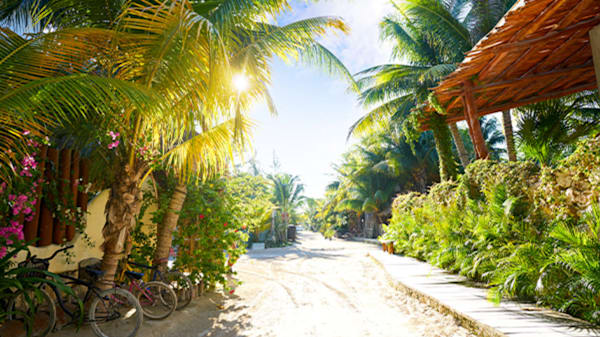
(442, 137)
(460, 146)
(165, 230)
(508, 135)
(122, 208)
(370, 223)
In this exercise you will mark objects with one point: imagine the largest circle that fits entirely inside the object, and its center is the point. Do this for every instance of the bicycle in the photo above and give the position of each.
(113, 312)
(29, 310)
(157, 299)
(180, 283)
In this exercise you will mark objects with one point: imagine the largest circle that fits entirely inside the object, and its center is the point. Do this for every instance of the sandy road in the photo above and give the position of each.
(311, 289)
(326, 288)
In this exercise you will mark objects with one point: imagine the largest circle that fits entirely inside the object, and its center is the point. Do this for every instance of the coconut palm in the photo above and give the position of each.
(507, 126)
(380, 166)
(287, 198)
(250, 44)
(432, 37)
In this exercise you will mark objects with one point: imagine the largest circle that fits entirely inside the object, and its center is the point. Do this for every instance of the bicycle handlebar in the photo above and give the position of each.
(35, 258)
(60, 250)
(139, 264)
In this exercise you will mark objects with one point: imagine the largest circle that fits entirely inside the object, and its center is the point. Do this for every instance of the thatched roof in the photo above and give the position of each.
(539, 50)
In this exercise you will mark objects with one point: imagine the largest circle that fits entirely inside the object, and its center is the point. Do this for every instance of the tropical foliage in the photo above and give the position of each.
(157, 77)
(383, 164)
(430, 37)
(548, 131)
(524, 240)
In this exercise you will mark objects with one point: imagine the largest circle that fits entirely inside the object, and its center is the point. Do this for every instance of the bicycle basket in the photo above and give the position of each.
(43, 265)
(91, 262)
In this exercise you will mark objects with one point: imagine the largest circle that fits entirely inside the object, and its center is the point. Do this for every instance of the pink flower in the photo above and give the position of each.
(14, 223)
(225, 224)
(26, 132)
(113, 135)
(12, 197)
(29, 218)
(113, 145)
(201, 216)
(27, 210)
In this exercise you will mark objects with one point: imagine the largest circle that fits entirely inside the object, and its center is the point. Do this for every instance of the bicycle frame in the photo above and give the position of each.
(91, 290)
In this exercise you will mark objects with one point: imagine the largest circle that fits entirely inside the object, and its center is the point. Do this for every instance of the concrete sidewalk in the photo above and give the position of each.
(449, 293)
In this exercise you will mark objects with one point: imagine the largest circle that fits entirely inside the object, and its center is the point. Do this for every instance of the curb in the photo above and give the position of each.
(365, 240)
(464, 320)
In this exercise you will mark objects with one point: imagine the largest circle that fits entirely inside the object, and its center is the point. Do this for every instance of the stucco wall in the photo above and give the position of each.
(83, 249)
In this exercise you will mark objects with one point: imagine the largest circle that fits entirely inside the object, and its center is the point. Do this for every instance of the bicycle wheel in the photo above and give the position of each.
(32, 310)
(115, 313)
(157, 299)
(183, 287)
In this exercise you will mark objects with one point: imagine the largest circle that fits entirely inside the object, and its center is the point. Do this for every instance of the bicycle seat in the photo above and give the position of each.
(134, 274)
(94, 272)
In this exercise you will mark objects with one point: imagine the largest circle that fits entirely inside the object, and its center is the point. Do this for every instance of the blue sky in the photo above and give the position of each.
(315, 110)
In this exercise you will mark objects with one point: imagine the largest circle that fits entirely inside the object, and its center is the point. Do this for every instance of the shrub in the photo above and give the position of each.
(527, 234)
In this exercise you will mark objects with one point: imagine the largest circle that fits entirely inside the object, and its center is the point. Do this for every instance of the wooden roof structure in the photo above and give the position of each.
(538, 51)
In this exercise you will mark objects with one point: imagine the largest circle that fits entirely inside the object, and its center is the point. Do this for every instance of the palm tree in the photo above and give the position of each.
(181, 51)
(432, 36)
(549, 130)
(460, 145)
(380, 166)
(249, 46)
(509, 135)
(287, 198)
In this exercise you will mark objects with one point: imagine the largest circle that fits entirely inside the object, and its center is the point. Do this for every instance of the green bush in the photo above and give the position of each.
(502, 224)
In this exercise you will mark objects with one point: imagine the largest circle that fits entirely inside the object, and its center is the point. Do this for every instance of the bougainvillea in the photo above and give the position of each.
(18, 197)
(210, 235)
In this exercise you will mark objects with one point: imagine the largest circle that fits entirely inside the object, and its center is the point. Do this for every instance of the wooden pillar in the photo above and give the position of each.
(595, 44)
(473, 121)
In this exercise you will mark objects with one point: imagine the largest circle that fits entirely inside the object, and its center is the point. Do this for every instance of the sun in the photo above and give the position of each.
(240, 82)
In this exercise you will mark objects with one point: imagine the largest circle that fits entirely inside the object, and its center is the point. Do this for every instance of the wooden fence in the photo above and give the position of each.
(69, 170)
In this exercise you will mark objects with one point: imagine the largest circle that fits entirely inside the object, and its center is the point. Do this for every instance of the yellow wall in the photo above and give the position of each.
(82, 250)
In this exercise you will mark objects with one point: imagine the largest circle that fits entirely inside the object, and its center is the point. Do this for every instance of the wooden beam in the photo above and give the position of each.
(595, 44)
(454, 118)
(538, 98)
(473, 121)
(584, 68)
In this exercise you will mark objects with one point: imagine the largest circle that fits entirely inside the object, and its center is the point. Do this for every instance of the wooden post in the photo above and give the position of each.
(64, 184)
(595, 45)
(473, 121)
(74, 189)
(46, 220)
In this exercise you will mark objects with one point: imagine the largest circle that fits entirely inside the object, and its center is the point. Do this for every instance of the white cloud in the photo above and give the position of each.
(362, 48)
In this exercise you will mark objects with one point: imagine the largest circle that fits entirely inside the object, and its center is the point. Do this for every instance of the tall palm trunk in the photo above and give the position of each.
(443, 145)
(508, 135)
(165, 230)
(460, 146)
(122, 208)
(370, 223)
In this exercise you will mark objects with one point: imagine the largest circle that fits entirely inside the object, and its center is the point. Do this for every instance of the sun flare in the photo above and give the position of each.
(240, 82)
